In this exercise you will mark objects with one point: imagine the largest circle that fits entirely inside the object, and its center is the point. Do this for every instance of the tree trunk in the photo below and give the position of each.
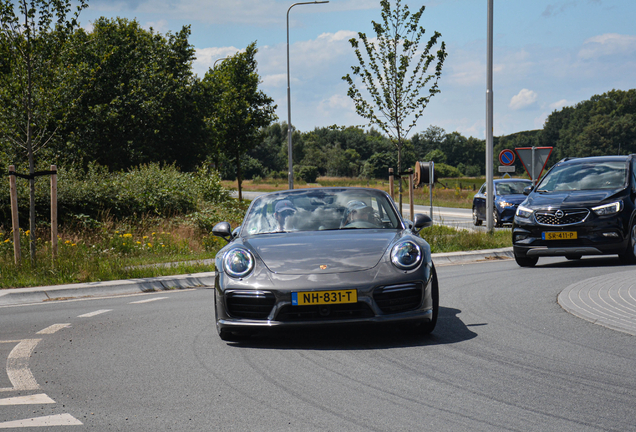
(239, 175)
(29, 143)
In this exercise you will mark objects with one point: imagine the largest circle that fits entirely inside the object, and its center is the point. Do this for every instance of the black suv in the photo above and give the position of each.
(582, 206)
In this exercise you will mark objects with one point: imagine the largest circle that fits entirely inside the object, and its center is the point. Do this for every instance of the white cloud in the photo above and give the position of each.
(160, 26)
(558, 104)
(205, 58)
(606, 45)
(523, 99)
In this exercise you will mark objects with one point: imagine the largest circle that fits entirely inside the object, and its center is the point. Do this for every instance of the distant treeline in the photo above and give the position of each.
(603, 125)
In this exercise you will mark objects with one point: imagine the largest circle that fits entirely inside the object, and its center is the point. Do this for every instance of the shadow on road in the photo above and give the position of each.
(449, 330)
(588, 261)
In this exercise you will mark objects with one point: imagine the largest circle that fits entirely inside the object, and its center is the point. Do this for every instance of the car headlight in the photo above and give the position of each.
(504, 204)
(608, 209)
(524, 212)
(406, 255)
(238, 262)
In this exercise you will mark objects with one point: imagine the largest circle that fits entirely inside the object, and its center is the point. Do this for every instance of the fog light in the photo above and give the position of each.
(610, 234)
(519, 237)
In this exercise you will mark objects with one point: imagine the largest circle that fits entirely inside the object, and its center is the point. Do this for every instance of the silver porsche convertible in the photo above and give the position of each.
(309, 257)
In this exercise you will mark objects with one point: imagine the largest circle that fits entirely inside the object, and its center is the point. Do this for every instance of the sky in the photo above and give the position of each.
(547, 53)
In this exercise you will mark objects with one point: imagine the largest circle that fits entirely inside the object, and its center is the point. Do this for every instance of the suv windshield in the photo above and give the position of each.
(585, 176)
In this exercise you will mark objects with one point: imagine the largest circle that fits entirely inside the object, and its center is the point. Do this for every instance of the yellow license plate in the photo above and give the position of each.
(303, 298)
(565, 235)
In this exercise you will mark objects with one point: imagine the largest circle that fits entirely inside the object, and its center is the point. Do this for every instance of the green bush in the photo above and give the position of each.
(307, 173)
(89, 195)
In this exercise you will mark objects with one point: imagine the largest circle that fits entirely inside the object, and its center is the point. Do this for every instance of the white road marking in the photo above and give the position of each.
(35, 399)
(92, 314)
(148, 300)
(18, 366)
(52, 329)
(53, 420)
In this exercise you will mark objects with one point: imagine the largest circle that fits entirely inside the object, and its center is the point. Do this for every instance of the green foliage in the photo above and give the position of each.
(241, 111)
(603, 125)
(444, 171)
(87, 196)
(447, 239)
(132, 98)
(307, 173)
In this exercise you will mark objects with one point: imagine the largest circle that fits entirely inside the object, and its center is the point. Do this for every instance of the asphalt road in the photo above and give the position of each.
(504, 356)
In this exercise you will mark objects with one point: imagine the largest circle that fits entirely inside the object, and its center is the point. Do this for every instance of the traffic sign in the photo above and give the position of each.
(506, 157)
(534, 160)
(507, 169)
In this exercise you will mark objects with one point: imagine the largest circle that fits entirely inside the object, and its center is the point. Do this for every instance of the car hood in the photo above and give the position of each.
(585, 198)
(512, 198)
(309, 252)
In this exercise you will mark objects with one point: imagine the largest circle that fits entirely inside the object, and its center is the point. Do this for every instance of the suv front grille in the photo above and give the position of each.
(561, 217)
(398, 298)
(250, 305)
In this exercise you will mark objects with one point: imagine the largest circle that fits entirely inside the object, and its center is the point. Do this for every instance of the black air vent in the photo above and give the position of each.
(324, 312)
(250, 305)
(398, 298)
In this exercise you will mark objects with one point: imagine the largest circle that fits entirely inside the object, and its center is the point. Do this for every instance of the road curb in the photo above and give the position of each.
(17, 296)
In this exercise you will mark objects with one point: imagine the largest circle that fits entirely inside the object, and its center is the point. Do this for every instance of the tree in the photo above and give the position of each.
(241, 111)
(139, 100)
(394, 73)
(32, 41)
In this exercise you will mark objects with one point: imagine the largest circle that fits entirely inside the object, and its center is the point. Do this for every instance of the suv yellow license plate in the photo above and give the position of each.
(304, 298)
(565, 235)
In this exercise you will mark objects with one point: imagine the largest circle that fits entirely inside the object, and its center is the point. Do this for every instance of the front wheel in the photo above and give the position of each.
(629, 256)
(495, 218)
(425, 328)
(476, 220)
(526, 261)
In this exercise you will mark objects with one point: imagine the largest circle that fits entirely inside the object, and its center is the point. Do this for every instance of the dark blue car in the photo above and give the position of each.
(508, 195)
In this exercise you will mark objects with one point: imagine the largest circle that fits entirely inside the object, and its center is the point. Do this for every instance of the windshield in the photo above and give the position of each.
(510, 188)
(318, 210)
(585, 176)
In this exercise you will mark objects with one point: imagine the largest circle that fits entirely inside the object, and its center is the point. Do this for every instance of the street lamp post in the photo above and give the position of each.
(489, 125)
(290, 174)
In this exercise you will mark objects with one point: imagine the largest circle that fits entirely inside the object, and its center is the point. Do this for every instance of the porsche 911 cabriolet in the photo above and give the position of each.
(324, 256)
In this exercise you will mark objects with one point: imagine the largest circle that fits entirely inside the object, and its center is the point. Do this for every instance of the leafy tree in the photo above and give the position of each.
(140, 101)
(242, 111)
(394, 71)
(31, 43)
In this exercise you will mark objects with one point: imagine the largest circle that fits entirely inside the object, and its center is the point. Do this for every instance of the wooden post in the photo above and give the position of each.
(411, 196)
(15, 223)
(54, 213)
(391, 183)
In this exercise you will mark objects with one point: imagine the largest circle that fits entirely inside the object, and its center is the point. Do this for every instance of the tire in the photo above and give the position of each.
(526, 261)
(476, 220)
(629, 256)
(495, 218)
(427, 327)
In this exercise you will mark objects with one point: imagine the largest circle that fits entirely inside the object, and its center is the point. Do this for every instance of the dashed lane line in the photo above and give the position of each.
(148, 300)
(53, 420)
(92, 314)
(34, 399)
(52, 329)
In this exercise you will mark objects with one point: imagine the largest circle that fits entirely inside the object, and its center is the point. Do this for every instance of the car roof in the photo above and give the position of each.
(511, 180)
(595, 159)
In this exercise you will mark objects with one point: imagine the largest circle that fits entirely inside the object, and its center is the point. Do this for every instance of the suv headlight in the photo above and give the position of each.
(504, 204)
(524, 212)
(406, 255)
(238, 262)
(608, 209)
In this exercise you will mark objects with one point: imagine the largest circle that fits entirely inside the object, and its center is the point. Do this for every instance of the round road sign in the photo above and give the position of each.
(507, 157)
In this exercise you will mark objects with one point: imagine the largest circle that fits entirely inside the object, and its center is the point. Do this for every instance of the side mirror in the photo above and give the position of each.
(223, 230)
(527, 190)
(422, 221)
